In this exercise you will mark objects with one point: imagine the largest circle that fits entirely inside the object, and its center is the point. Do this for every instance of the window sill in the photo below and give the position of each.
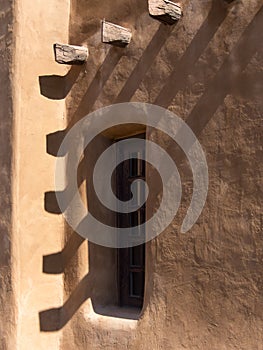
(115, 317)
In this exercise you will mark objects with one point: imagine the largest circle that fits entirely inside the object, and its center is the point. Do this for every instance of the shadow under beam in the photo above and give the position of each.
(56, 318)
(56, 263)
(56, 87)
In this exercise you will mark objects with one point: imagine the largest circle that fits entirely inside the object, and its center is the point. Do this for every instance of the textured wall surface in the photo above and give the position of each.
(37, 232)
(203, 289)
(7, 309)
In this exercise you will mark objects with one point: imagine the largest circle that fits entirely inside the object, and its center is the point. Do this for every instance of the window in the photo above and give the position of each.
(131, 261)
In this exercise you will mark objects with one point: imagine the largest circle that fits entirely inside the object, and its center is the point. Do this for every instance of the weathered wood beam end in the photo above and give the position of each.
(70, 54)
(165, 10)
(115, 34)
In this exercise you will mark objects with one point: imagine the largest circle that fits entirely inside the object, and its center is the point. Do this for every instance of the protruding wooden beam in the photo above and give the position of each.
(70, 54)
(115, 34)
(165, 10)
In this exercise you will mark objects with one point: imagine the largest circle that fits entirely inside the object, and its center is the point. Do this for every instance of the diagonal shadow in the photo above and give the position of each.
(144, 63)
(108, 66)
(51, 204)
(182, 68)
(97, 84)
(55, 319)
(228, 75)
(216, 90)
(56, 263)
(114, 55)
(206, 32)
(225, 80)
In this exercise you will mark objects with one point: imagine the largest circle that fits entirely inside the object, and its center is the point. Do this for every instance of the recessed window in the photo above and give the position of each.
(117, 276)
(131, 261)
(136, 168)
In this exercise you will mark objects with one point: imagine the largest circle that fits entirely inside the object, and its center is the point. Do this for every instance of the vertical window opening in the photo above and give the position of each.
(131, 261)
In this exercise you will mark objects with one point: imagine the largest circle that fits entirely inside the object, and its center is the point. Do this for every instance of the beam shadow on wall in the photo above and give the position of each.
(50, 200)
(57, 87)
(95, 88)
(111, 61)
(114, 55)
(145, 63)
(226, 79)
(214, 19)
(185, 65)
(56, 318)
(56, 263)
(212, 98)
(97, 258)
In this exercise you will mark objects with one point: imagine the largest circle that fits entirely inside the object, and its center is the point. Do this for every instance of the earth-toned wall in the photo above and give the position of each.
(35, 232)
(7, 308)
(203, 288)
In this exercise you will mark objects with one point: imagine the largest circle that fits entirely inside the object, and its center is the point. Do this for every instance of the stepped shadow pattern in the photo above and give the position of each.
(224, 82)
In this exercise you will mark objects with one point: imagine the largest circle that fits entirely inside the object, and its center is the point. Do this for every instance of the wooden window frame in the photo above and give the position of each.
(128, 273)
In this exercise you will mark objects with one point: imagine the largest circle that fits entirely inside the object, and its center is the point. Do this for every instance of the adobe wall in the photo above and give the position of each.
(204, 288)
(7, 305)
(36, 232)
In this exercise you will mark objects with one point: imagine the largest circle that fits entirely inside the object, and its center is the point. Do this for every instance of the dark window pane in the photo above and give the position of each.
(136, 284)
(136, 256)
(131, 261)
(136, 219)
(134, 166)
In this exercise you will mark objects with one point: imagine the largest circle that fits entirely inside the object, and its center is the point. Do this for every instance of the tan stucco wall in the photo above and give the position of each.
(7, 304)
(203, 289)
(36, 232)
